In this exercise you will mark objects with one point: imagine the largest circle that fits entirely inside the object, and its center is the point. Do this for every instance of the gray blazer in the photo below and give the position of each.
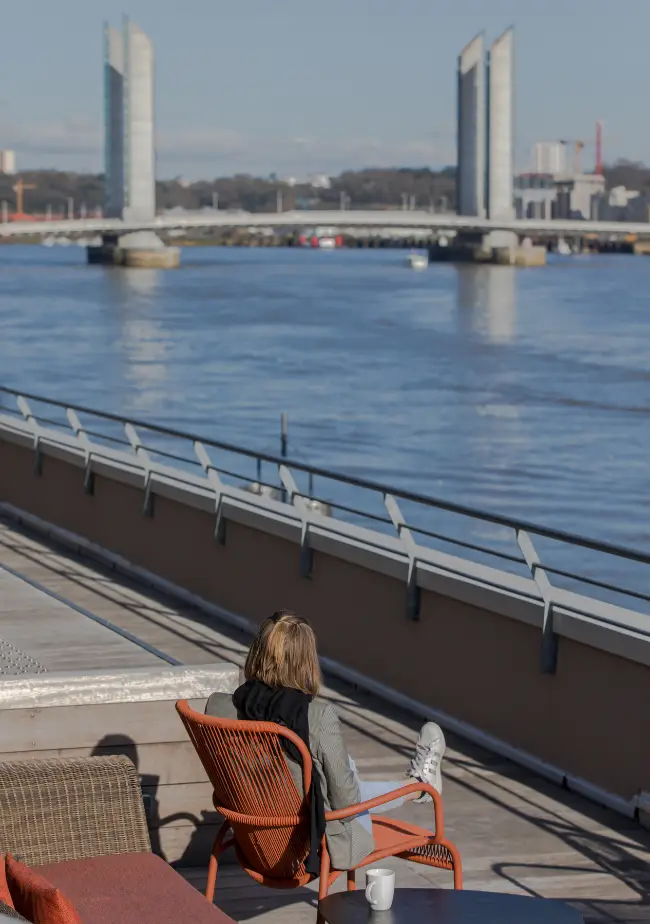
(348, 842)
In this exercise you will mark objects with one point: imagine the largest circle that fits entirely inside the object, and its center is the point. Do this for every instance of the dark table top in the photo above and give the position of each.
(447, 906)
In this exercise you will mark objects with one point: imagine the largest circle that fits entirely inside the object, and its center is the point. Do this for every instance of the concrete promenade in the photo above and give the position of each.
(516, 832)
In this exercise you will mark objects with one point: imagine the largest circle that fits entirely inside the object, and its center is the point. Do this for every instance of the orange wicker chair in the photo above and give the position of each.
(267, 819)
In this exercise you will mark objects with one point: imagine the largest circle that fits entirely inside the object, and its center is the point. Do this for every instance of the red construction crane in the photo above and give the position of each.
(599, 149)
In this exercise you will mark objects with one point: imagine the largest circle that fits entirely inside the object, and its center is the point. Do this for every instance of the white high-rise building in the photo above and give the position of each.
(548, 157)
(130, 181)
(7, 161)
(500, 193)
(470, 182)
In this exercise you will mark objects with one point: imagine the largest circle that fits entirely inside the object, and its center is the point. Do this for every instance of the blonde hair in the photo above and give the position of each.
(283, 654)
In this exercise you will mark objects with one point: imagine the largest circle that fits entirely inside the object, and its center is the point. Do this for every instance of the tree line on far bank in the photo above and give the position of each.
(371, 188)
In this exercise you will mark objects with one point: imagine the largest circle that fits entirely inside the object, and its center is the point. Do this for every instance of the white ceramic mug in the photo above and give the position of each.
(380, 888)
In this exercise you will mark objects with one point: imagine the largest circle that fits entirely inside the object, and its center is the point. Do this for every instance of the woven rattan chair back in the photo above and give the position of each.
(255, 791)
(71, 808)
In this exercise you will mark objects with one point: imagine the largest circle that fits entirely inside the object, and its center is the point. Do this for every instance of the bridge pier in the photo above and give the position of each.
(141, 249)
(500, 247)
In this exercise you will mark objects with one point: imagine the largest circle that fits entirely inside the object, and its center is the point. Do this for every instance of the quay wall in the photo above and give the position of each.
(471, 659)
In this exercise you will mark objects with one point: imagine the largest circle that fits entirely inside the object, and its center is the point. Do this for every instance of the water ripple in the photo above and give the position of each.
(524, 392)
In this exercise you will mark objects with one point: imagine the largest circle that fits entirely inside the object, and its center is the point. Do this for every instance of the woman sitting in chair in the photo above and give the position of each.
(283, 680)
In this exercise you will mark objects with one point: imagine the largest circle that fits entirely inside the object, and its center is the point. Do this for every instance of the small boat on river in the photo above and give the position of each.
(417, 261)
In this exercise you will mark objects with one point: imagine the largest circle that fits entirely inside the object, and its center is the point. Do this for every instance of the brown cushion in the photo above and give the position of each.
(132, 888)
(36, 898)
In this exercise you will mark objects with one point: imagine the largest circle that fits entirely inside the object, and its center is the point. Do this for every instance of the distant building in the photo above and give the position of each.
(638, 208)
(129, 123)
(548, 157)
(620, 196)
(320, 181)
(546, 196)
(7, 161)
(579, 196)
(316, 181)
(622, 204)
(535, 196)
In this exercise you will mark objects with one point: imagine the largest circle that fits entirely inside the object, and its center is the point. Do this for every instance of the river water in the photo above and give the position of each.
(525, 392)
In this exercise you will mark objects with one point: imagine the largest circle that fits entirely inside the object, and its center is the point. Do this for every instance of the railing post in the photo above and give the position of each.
(410, 546)
(141, 453)
(284, 442)
(216, 483)
(549, 648)
(295, 498)
(80, 433)
(26, 411)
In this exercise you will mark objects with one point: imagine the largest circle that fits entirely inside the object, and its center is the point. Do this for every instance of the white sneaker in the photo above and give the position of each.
(426, 762)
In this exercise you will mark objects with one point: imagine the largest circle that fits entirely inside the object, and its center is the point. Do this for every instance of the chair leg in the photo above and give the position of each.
(352, 880)
(323, 882)
(323, 888)
(213, 867)
(457, 865)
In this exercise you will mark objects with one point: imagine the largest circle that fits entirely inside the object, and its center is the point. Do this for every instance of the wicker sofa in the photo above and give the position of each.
(80, 822)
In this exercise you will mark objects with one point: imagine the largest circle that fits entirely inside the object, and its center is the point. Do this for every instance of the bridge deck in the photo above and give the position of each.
(516, 832)
(349, 219)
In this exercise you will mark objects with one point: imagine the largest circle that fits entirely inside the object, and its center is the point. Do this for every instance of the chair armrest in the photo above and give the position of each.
(71, 809)
(415, 787)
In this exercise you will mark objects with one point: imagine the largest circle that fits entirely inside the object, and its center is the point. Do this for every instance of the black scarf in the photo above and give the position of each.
(290, 708)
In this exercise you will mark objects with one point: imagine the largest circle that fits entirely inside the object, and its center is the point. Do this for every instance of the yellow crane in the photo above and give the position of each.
(19, 189)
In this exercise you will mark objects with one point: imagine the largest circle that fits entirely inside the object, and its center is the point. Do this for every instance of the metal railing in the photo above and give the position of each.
(107, 431)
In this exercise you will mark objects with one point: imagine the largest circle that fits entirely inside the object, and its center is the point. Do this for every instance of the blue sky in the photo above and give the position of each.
(297, 86)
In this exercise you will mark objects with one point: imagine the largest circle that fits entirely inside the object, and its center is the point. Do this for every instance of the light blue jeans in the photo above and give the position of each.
(370, 789)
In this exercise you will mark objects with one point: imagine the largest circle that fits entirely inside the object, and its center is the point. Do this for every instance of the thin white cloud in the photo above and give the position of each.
(192, 142)
(73, 137)
(208, 152)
